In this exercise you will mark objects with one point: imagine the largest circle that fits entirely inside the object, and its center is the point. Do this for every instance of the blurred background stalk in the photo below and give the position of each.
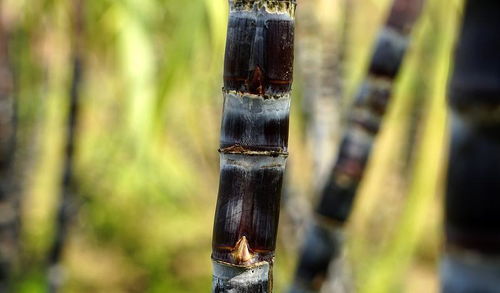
(67, 209)
(472, 207)
(323, 243)
(321, 37)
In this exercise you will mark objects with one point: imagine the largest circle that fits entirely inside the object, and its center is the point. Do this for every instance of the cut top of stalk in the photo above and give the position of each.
(270, 6)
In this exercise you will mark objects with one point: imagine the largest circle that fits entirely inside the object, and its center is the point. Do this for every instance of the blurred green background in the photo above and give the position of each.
(147, 162)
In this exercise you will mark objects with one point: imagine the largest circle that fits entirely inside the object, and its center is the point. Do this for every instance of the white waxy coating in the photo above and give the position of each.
(251, 162)
(256, 107)
(254, 114)
(234, 277)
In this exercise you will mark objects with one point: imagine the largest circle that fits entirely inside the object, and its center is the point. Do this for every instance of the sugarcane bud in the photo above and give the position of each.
(241, 253)
(255, 83)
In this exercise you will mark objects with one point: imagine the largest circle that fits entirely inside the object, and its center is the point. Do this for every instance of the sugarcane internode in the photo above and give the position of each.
(258, 71)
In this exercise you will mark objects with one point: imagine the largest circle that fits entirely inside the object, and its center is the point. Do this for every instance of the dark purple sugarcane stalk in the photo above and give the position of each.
(258, 73)
(472, 209)
(8, 200)
(324, 238)
(67, 206)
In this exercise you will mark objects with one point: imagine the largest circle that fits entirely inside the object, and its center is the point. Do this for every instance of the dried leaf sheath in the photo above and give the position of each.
(472, 215)
(258, 73)
(334, 207)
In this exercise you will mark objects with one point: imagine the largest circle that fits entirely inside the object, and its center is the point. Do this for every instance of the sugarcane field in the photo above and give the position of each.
(249, 146)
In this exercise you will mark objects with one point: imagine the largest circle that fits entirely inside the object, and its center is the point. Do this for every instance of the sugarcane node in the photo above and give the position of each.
(380, 100)
(246, 94)
(242, 150)
(472, 241)
(328, 222)
(483, 112)
(352, 159)
(336, 201)
(375, 94)
(343, 180)
(350, 164)
(235, 149)
(251, 266)
(474, 90)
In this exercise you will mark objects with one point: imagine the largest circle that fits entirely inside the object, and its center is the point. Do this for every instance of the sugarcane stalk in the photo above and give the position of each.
(8, 200)
(472, 204)
(258, 71)
(364, 121)
(67, 208)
